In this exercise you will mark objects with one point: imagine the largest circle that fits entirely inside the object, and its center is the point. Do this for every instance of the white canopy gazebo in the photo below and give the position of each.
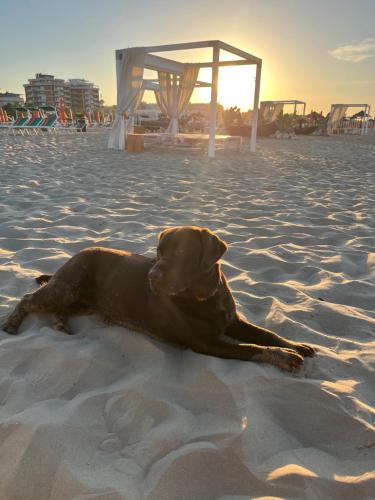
(337, 124)
(270, 110)
(174, 85)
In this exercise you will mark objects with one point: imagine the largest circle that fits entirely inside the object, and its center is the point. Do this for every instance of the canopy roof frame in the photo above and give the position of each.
(350, 105)
(158, 63)
(290, 101)
(153, 84)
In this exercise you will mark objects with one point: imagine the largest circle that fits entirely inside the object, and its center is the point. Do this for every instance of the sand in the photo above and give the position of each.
(110, 414)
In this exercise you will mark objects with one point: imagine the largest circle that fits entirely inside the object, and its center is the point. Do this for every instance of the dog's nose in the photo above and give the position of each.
(155, 275)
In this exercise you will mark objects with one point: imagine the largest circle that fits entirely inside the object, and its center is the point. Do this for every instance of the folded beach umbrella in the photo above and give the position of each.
(62, 117)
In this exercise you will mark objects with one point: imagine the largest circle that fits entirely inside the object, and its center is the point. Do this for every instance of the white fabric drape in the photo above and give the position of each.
(129, 84)
(279, 108)
(271, 111)
(166, 95)
(173, 97)
(335, 117)
(186, 87)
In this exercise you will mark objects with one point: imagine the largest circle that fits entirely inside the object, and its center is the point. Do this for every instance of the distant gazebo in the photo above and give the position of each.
(174, 85)
(338, 123)
(270, 110)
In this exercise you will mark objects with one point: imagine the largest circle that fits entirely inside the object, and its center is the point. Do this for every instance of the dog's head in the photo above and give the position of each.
(186, 262)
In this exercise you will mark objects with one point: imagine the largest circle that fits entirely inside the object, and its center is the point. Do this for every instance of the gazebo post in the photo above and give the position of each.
(330, 121)
(213, 104)
(254, 118)
(368, 117)
(175, 123)
(363, 122)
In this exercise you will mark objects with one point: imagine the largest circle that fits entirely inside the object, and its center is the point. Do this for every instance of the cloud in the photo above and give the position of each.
(355, 52)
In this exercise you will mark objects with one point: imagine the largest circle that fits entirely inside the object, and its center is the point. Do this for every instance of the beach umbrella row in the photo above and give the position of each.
(98, 117)
(64, 114)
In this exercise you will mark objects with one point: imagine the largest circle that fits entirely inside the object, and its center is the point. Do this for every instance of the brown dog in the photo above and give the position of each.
(180, 297)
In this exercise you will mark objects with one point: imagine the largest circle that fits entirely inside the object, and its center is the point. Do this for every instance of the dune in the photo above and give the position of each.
(109, 414)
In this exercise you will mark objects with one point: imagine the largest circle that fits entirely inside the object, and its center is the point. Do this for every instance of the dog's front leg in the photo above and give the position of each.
(283, 358)
(246, 332)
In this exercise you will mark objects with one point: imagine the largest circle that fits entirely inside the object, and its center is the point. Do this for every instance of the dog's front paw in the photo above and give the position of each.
(282, 357)
(286, 359)
(303, 349)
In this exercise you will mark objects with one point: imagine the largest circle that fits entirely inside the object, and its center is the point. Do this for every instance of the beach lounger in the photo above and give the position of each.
(49, 124)
(18, 124)
(31, 126)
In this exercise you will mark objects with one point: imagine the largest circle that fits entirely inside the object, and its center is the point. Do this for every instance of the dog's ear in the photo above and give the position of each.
(213, 248)
(163, 236)
(164, 232)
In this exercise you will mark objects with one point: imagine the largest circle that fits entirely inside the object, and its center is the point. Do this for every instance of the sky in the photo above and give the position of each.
(318, 51)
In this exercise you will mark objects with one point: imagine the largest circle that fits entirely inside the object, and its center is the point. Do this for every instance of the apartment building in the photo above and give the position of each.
(78, 94)
(10, 98)
(46, 90)
(84, 95)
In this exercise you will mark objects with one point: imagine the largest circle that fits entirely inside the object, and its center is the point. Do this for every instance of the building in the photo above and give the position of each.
(84, 96)
(46, 90)
(10, 98)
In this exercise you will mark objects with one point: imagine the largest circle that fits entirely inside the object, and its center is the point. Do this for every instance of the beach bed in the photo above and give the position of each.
(188, 141)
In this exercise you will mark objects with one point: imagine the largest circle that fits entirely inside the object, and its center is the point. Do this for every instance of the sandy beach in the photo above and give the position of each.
(109, 414)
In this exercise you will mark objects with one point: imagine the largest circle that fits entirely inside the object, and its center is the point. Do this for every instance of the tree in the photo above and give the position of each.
(10, 108)
(285, 122)
(232, 116)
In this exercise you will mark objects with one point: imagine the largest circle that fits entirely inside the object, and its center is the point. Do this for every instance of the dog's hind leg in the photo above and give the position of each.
(52, 298)
(61, 325)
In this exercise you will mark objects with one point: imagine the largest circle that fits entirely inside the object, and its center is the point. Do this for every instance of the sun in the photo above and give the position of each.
(235, 87)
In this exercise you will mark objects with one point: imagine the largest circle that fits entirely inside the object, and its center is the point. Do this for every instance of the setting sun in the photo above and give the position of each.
(235, 88)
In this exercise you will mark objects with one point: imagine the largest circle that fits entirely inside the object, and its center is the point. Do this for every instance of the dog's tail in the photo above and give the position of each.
(43, 278)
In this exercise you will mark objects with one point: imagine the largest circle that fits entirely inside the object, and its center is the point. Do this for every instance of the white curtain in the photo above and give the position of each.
(270, 111)
(129, 67)
(173, 98)
(278, 108)
(338, 114)
(166, 96)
